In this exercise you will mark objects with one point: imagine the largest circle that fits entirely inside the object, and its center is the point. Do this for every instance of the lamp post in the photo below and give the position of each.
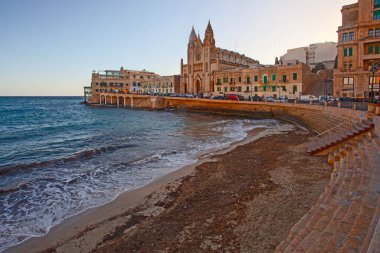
(373, 70)
(326, 81)
(250, 82)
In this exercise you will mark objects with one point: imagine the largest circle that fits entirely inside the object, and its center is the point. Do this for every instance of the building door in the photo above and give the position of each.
(197, 87)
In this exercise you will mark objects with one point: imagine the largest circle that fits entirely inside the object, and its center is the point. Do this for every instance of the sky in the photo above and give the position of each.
(50, 47)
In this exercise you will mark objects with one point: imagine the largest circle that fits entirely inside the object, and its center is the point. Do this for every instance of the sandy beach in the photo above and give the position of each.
(242, 199)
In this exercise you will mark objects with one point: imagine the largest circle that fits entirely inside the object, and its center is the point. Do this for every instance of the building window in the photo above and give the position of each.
(256, 88)
(264, 88)
(225, 79)
(348, 81)
(219, 88)
(273, 88)
(284, 77)
(345, 66)
(239, 88)
(218, 82)
(345, 36)
(345, 51)
(232, 88)
(376, 15)
(256, 78)
(283, 88)
(377, 49)
(370, 49)
(377, 4)
(370, 33)
(377, 32)
(248, 80)
(273, 77)
(265, 79)
(294, 89)
(350, 51)
(225, 89)
(295, 76)
(232, 80)
(351, 36)
(239, 78)
(247, 88)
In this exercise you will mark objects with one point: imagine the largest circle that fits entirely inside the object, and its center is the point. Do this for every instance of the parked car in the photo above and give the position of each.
(218, 97)
(206, 95)
(269, 99)
(256, 98)
(308, 98)
(323, 98)
(232, 97)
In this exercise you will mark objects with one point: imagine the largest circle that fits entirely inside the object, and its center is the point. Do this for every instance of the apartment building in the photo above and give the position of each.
(358, 50)
(263, 81)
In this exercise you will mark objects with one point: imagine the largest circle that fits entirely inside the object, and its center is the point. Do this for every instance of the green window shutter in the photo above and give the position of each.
(376, 15)
(273, 77)
(239, 79)
(248, 79)
(345, 52)
(256, 89)
(265, 88)
(225, 89)
(283, 88)
(370, 49)
(274, 88)
(377, 49)
(218, 81)
(247, 88)
(295, 76)
(284, 78)
(256, 78)
(265, 79)
(350, 51)
(239, 89)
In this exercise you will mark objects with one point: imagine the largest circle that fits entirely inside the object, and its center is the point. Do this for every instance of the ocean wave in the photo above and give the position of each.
(13, 188)
(84, 154)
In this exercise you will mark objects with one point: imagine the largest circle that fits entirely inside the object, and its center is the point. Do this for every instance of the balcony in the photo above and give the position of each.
(371, 56)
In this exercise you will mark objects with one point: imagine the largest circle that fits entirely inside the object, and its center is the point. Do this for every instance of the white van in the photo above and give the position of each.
(308, 98)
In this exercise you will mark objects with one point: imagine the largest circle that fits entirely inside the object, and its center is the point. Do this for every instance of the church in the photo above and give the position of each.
(203, 58)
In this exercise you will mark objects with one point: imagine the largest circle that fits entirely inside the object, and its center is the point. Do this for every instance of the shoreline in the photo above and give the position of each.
(84, 222)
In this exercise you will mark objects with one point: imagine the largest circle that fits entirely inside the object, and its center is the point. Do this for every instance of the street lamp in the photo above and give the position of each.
(373, 70)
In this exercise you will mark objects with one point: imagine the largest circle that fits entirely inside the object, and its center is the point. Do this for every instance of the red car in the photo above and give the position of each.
(232, 97)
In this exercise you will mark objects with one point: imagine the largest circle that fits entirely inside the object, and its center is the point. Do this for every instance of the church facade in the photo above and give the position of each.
(203, 59)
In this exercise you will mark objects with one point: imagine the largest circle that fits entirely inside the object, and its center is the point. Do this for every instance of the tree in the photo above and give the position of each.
(276, 62)
(318, 67)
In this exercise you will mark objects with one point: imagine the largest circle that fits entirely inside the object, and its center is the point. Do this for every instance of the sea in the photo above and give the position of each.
(59, 158)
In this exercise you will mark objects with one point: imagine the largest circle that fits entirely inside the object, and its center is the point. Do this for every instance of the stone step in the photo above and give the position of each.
(372, 233)
(327, 203)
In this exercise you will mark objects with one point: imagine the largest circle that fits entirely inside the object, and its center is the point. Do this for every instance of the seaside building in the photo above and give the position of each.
(161, 84)
(264, 81)
(317, 53)
(203, 57)
(123, 80)
(358, 50)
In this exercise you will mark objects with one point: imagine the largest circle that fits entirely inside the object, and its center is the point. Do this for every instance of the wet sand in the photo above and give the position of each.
(243, 199)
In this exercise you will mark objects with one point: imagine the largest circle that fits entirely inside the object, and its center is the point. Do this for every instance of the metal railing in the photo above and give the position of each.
(335, 131)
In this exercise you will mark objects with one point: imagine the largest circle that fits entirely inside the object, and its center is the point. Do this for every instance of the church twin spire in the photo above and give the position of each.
(209, 36)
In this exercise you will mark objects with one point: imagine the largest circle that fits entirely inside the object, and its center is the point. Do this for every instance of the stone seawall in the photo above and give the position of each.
(318, 118)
